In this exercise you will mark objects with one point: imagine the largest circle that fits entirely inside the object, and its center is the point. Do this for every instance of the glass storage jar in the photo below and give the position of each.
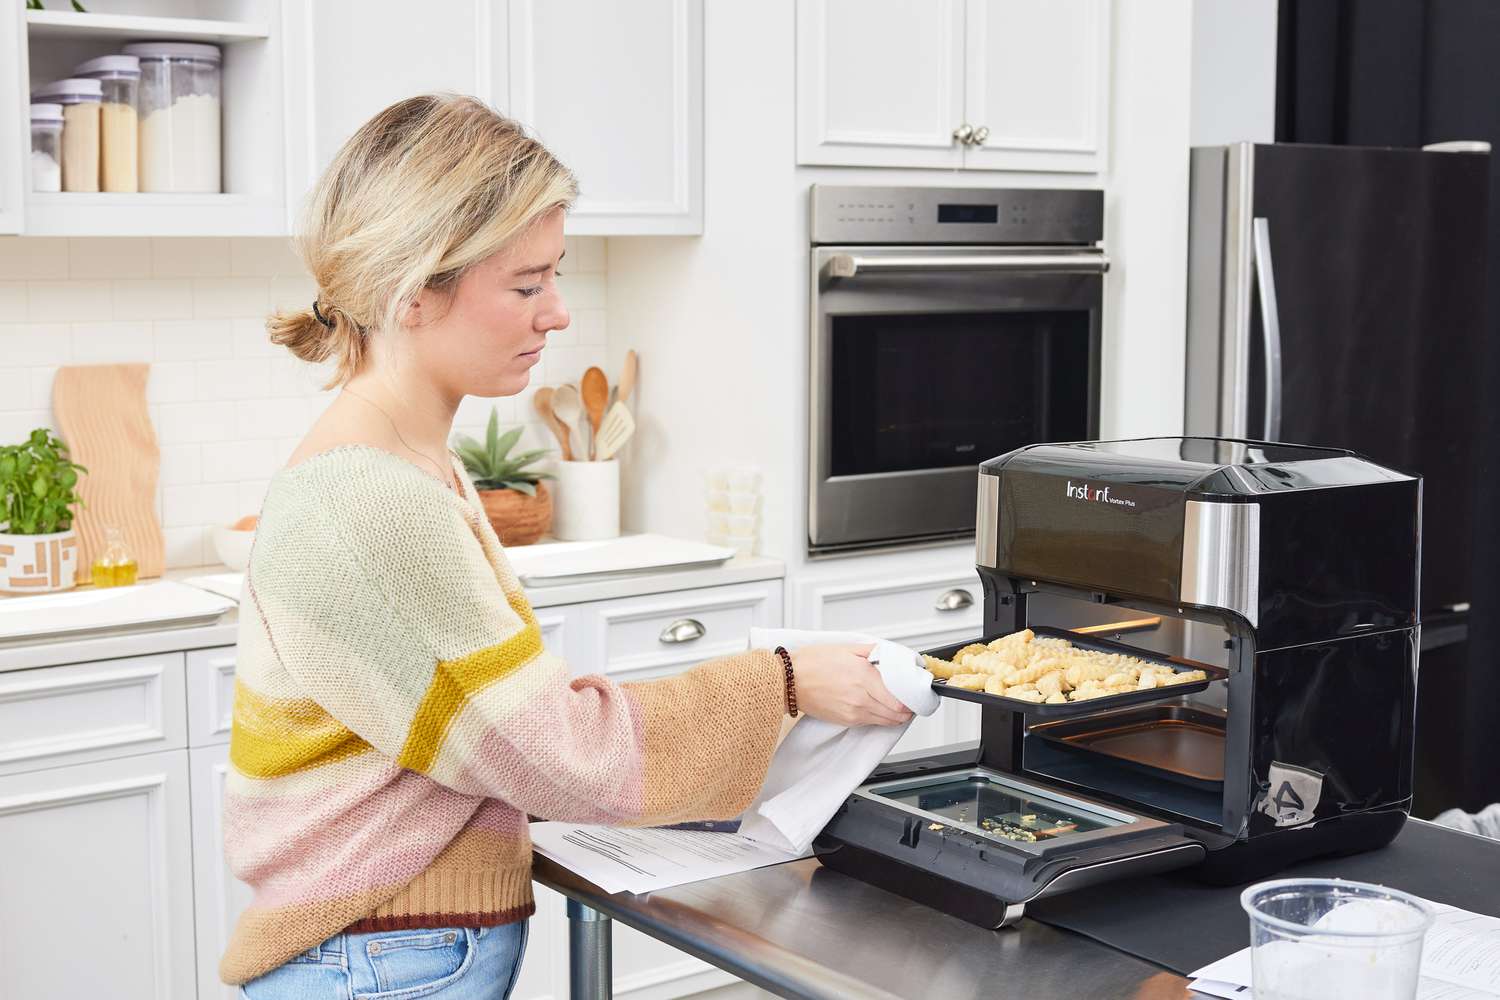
(180, 115)
(80, 140)
(120, 78)
(46, 147)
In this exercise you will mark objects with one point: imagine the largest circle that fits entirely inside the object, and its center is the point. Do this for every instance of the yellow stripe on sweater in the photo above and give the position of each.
(274, 737)
(454, 682)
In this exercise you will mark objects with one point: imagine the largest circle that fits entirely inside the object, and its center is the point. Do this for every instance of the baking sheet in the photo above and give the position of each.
(102, 610)
(1092, 705)
(552, 563)
(1176, 742)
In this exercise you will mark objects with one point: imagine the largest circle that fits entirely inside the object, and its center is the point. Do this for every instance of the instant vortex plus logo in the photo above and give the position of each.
(1092, 494)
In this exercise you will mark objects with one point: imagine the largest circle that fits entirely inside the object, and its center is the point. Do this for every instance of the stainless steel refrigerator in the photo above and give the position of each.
(1337, 297)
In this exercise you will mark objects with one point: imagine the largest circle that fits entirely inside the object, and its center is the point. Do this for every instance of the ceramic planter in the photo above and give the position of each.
(517, 518)
(38, 564)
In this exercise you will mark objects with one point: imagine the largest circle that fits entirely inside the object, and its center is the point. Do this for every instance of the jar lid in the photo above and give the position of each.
(71, 91)
(173, 50)
(47, 113)
(110, 67)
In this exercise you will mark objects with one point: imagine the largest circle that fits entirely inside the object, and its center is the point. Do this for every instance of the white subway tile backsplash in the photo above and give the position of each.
(34, 344)
(68, 301)
(190, 258)
(228, 406)
(242, 378)
(102, 343)
(269, 257)
(227, 297)
(193, 340)
(109, 258)
(28, 257)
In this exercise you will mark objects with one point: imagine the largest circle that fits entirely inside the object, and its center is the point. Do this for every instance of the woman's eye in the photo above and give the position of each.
(529, 292)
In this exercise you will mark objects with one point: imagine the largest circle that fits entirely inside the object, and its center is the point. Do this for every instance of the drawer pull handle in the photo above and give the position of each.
(954, 600)
(683, 630)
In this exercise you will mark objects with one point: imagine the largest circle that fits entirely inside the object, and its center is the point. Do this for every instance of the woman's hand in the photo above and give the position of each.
(837, 684)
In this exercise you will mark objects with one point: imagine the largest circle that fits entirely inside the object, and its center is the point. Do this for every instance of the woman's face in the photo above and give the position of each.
(484, 338)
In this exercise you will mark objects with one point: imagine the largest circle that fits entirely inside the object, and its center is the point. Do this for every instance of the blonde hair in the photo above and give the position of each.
(424, 190)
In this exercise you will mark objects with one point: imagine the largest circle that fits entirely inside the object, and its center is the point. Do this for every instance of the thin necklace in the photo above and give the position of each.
(444, 478)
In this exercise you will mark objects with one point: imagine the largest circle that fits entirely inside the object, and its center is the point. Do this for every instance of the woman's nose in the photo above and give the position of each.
(555, 317)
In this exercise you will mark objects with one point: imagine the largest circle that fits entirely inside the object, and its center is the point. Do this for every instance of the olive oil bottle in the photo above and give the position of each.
(115, 566)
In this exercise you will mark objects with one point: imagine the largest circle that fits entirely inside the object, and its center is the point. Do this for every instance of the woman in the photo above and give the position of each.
(396, 718)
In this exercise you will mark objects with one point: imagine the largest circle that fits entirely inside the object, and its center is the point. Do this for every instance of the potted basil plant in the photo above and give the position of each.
(38, 546)
(515, 499)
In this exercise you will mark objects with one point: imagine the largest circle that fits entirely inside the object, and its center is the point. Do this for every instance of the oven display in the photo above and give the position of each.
(968, 213)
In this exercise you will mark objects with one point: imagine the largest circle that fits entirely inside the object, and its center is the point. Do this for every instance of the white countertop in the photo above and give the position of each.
(740, 569)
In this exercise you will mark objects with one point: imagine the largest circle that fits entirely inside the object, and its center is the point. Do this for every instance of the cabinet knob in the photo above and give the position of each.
(682, 630)
(980, 134)
(954, 600)
(964, 133)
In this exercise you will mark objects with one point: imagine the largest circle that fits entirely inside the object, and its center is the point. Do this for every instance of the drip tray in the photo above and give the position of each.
(1174, 742)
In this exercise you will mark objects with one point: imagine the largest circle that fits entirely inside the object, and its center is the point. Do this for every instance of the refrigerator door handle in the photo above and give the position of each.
(1270, 323)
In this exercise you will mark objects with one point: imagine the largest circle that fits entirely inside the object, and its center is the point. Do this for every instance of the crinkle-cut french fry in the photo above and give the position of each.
(1148, 680)
(1021, 637)
(1187, 677)
(1050, 683)
(1051, 642)
(940, 667)
(994, 684)
(1030, 673)
(1119, 680)
(990, 662)
(968, 651)
(1056, 699)
(1080, 669)
(1025, 694)
(968, 682)
(1090, 691)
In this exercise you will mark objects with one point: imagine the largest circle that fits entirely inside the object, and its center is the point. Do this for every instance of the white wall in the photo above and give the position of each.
(722, 321)
(227, 405)
(1234, 71)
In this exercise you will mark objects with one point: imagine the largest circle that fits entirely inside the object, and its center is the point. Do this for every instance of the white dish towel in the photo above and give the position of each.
(820, 763)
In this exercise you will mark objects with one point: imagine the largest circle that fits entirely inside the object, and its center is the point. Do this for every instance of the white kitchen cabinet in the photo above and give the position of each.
(218, 896)
(14, 121)
(970, 84)
(210, 694)
(96, 890)
(921, 599)
(616, 91)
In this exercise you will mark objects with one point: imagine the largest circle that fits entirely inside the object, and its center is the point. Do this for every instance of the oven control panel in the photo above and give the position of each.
(921, 215)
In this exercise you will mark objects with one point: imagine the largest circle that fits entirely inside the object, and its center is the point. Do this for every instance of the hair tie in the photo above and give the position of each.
(320, 317)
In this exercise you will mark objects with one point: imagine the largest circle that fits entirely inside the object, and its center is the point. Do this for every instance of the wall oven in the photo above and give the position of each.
(949, 325)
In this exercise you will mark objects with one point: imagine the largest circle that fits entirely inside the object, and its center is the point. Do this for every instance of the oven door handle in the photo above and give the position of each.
(849, 265)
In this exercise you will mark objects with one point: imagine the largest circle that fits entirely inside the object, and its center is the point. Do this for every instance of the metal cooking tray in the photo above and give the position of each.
(1175, 742)
(1092, 705)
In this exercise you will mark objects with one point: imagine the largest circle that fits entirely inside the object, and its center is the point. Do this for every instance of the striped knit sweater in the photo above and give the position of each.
(396, 719)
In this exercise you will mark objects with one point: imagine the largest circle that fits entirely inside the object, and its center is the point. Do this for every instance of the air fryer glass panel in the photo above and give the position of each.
(914, 391)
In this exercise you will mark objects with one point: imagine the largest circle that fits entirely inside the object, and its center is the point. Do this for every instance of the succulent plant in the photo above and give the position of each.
(493, 466)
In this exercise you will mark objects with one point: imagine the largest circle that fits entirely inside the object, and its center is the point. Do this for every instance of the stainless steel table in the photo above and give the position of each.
(803, 931)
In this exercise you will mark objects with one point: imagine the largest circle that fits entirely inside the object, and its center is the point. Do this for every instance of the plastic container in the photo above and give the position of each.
(119, 146)
(80, 140)
(46, 147)
(1316, 938)
(180, 116)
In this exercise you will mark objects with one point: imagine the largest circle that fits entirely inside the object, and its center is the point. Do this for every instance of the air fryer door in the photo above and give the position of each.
(980, 844)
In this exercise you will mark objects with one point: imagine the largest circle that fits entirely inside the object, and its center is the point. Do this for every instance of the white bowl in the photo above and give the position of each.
(233, 547)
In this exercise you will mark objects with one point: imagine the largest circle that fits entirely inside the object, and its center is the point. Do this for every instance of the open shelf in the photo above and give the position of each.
(125, 27)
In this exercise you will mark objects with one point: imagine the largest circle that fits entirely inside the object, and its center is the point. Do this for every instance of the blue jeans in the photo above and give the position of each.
(445, 963)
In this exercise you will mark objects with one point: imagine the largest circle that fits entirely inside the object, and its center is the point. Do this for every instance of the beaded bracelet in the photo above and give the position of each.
(791, 681)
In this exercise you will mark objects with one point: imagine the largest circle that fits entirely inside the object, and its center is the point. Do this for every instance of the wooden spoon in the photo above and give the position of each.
(568, 408)
(627, 376)
(595, 392)
(541, 401)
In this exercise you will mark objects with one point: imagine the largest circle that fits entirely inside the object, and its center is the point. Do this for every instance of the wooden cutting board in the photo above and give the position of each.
(101, 414)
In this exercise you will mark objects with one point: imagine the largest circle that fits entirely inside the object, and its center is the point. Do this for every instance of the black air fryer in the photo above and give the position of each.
(1287, 574)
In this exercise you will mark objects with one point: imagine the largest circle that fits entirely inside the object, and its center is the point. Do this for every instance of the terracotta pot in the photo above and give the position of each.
(38, 564)
(517, 518)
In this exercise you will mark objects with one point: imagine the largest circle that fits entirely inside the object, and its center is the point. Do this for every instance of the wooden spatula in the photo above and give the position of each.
(615, 431)
(628, 376)
(541, 401)
(595, 392)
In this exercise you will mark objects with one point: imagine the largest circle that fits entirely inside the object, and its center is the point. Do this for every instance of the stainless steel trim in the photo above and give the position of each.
(683, 630)
(1221, 556)
(1205, 299)
(987, 522)
(1270, 323)
(848, 265)
(1239, 191)
(1151, 863)
(954, 600)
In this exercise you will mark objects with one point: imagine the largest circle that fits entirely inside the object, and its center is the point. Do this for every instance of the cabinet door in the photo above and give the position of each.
(1038, 81)
(616, 91)
(880, 83)
(96, 894)
(217, 895)
(348, 62)
(210, 694)
(13, 172)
